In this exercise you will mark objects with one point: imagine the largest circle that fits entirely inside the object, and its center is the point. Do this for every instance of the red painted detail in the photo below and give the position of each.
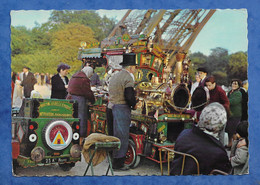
(15, 149)
(153, 152)
(88, 127)
(115, 53)
(59, 128)
(77, 127)
(129, 156)
(101, 124)
(155, 160)
(138, 140)
(31, 127)
(166, 146)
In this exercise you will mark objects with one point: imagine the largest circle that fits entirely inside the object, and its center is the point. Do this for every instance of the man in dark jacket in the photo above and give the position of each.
(203, 143)
(28, 82)
(59, 82)
(244, 93)
(203, 72)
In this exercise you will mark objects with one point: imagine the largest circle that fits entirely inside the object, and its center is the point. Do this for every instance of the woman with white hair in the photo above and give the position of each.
(79, 89)
(202, 141)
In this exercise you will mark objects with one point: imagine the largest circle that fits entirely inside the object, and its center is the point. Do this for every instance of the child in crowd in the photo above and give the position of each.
(239, 150)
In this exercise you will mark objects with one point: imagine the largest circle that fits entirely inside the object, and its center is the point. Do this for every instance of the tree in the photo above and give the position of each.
(20, 40)
(41, 39)
(221, 77)
(41, 61)
(217, 60)
(197, 59)
(101, 26)
(237, 66)
(66, 42)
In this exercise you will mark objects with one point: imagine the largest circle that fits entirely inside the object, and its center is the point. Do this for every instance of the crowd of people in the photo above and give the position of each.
(215, 112)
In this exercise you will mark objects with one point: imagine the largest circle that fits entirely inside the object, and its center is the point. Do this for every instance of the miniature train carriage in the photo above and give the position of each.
(44, 132)
(159, 117)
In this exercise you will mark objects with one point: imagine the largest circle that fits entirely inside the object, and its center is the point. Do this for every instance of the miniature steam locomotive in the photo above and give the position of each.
(160, 115)
(45, 132)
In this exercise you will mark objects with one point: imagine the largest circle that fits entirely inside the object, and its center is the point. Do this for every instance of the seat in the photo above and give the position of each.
(170, 152)
(96, 148)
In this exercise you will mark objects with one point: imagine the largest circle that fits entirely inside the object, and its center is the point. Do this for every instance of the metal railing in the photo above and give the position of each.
(169, 152)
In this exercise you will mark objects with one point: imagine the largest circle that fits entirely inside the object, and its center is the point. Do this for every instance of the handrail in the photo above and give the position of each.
(217, 172)
(169, 150)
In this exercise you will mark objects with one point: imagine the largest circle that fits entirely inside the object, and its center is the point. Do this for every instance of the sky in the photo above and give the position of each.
(226, 28)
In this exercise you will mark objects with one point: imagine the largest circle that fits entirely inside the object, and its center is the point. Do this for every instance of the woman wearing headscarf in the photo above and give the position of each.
(235, 99)
(202, 141)
(79, 89)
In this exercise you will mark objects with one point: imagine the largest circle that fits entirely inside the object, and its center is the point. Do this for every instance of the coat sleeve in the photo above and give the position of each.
(89, 95)
(240, 157)
(224, 99)
(34, 81)
(130, 96)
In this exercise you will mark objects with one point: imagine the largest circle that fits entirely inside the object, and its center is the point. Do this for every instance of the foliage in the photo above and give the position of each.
(237, 66)
(41, 61)
(45, 46)
(101, 26)
(198, 59)
(221, 65)
(20, 41)
(43, 51)
(66, 42)
(221, 77)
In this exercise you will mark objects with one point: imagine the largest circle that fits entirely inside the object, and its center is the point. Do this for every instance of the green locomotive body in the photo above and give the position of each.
(44, 132)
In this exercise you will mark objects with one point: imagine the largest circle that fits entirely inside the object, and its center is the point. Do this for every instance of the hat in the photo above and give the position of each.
(213, 118)
(63, 67)
(242, 129)
(26, 67)
(199, 98)
(202, 69)
(129, 59)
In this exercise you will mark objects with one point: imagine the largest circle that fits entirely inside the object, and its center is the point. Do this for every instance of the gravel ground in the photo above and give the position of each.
(145, 168)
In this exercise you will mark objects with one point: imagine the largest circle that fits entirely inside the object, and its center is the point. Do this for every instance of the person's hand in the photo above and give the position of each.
(66, 86)
(135, 107)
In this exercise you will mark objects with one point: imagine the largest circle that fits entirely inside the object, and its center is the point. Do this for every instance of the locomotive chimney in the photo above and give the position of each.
(179, 58)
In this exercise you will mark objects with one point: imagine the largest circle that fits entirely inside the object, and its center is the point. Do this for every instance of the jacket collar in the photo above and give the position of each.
(198, 131)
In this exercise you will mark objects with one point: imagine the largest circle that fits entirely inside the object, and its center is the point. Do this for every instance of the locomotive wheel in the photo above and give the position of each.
(67, 166)
(132, 160)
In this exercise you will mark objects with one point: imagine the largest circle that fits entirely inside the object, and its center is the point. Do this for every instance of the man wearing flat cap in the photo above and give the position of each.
(28, 82)
(202, 75)
(121, 101)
